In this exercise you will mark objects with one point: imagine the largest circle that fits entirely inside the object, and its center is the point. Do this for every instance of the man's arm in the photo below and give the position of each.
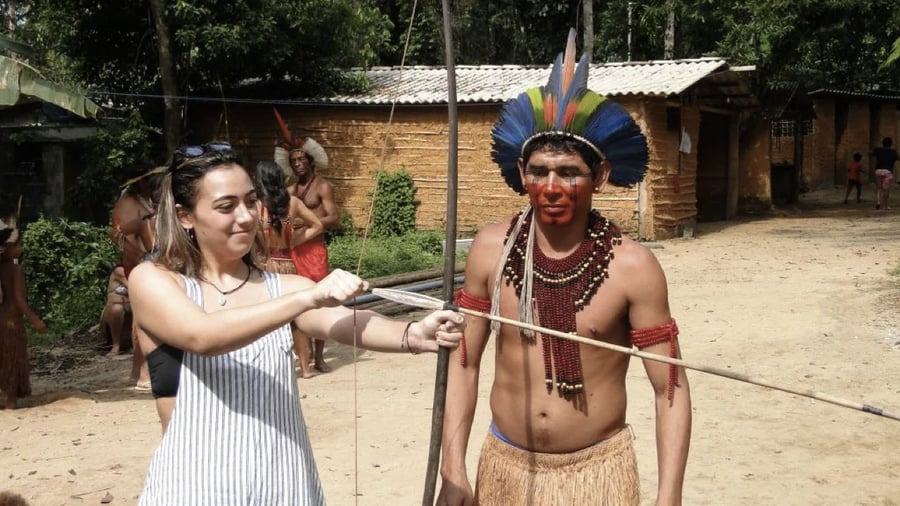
(648, 308)
(19, 296)
(326, 193)
(310, 229)
(462, 382)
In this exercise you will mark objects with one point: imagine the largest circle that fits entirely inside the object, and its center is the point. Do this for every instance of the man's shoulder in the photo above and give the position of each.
(631, 254)
(486, 247)
(323, 182)
(491, 234)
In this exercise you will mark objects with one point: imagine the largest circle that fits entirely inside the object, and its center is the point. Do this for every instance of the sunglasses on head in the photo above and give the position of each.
(201, 149)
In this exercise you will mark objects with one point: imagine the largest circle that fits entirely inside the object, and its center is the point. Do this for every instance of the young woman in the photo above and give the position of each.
(287, 223)
(236, 435)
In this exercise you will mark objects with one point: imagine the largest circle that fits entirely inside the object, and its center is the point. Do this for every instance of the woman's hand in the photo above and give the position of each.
(338, 287)
(439, 329)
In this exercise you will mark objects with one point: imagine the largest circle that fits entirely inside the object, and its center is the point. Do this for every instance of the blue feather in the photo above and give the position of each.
(607, 126)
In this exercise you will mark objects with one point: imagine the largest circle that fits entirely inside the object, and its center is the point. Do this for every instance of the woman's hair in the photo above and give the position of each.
(269, 182)
(178, 249)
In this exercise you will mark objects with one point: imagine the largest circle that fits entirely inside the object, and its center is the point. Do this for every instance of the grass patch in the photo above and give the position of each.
(383, 256)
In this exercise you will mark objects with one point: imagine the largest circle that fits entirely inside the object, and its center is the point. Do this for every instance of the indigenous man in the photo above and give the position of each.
(131, 230)
(558, 433)
(300, 157)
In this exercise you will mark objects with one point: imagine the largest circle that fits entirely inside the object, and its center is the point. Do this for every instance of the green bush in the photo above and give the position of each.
(343, 227)
(66, 266)
(388, 255)
(394, 211)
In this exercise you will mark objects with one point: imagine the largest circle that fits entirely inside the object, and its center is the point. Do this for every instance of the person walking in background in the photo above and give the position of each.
(885, 157)
(854, 177)
(300, 158)
(15, 372)
(281, 212)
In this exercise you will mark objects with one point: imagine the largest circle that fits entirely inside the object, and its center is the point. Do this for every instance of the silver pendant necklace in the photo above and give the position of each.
(221, 299)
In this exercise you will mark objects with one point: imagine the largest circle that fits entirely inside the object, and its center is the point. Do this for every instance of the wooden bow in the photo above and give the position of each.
(443, 359)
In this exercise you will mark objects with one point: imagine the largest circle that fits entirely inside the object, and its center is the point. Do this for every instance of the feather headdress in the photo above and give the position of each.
(9, 234)
(288, 142)
(566, 107)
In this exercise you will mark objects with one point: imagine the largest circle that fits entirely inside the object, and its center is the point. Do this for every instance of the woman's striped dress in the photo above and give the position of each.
(237, 436)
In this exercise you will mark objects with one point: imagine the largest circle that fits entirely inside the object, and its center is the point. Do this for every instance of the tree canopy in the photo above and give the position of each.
(295, 47)
(111, 45)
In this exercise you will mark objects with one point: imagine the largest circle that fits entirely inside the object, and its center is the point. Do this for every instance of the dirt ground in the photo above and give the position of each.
(806, 297)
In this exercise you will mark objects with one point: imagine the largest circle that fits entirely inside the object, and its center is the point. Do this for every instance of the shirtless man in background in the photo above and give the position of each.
(131, 228)
(317, 193)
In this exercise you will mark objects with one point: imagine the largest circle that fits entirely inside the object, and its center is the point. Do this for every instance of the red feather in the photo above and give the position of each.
(287, 140)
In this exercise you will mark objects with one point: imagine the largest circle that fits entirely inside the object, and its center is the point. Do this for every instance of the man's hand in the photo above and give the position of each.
(456, 494)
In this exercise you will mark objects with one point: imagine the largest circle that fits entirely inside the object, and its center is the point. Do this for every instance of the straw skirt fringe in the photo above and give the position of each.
(14, 366)
(281, 266)
(603, 474)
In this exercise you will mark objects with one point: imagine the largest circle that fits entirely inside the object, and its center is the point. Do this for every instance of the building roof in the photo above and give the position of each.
(21, 83)
(421, 85)
(864, 96)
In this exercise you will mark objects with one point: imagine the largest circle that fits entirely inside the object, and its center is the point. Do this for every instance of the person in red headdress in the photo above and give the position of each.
(559, 432)
(300, 158)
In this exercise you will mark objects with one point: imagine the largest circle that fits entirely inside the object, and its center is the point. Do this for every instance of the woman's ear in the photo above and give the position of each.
(184, 217)
(602, 176)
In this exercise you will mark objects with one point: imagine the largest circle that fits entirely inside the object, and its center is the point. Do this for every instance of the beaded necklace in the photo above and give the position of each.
(563, 287)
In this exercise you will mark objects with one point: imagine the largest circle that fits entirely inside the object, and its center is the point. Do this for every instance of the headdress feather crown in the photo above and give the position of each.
(288, 142)
(564, 106)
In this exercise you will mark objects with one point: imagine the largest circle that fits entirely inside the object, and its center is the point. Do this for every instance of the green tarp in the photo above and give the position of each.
(20, 83)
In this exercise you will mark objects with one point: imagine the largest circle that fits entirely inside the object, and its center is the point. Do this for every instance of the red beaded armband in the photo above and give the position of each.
(660, 334)
(466, 300)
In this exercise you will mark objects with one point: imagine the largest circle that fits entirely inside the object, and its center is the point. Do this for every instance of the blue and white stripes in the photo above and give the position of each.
(237, 436)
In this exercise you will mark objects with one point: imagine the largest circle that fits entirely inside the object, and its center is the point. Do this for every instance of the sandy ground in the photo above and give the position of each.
(806, 297)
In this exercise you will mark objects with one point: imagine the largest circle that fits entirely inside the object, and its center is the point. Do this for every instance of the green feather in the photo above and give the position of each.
(537, 103)
(588, 104)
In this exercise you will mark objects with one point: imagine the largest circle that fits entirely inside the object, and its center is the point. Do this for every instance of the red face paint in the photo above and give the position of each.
(559, 187)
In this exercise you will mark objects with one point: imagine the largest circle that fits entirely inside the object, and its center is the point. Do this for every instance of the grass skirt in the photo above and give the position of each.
(14, 366)
(603, 474)
(281, 266)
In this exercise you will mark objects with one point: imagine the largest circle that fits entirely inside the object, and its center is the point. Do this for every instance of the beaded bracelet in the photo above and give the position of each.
(404, 341)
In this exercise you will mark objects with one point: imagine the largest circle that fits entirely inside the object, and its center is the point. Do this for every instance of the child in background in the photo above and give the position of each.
(854, 174)
(14, 366)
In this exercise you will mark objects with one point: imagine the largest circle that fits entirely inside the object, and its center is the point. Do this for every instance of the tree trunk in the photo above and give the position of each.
(588, 11)
(669, 49)
(172, 122)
